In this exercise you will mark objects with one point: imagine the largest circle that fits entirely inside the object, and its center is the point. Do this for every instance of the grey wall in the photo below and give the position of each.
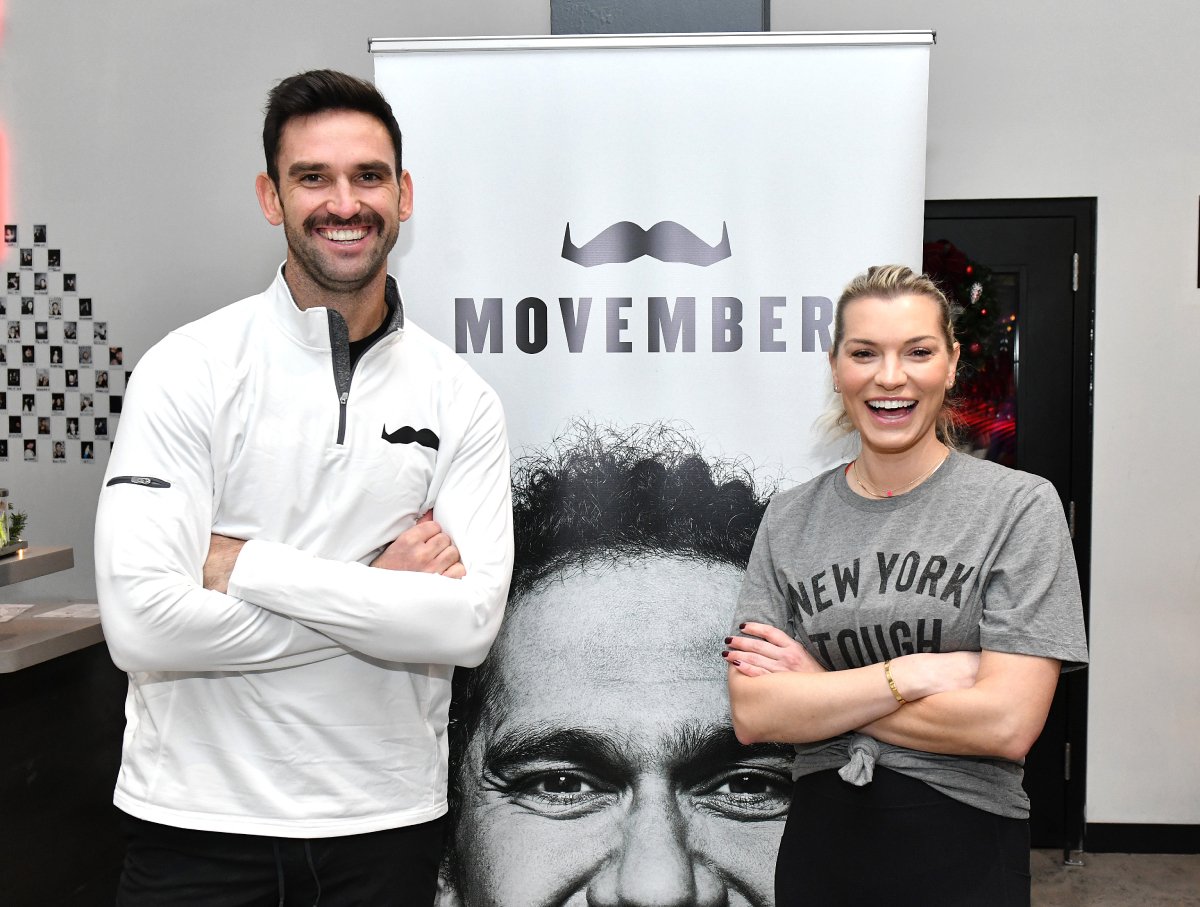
(133, 132)
(615, 17)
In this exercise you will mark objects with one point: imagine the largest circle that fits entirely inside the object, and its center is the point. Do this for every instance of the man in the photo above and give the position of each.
(274, 558)
(593, 759)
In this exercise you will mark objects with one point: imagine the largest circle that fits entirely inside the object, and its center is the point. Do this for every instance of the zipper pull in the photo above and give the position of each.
(344, 398)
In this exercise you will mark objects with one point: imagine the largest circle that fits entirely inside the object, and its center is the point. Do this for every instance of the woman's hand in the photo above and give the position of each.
(779, 693)
(763, 649)
(925, 673)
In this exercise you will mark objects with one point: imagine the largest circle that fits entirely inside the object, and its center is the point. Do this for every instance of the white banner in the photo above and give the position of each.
(637, 242)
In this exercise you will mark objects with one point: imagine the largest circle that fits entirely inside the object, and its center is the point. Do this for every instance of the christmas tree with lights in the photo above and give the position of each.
(985, 392)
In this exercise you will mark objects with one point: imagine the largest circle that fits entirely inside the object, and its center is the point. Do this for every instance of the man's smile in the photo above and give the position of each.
(343, 234)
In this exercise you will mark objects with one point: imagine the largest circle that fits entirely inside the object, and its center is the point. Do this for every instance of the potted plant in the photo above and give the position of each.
(12, 526)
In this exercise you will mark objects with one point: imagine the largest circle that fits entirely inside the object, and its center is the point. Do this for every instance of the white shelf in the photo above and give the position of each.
(28, 640)
(30, 563)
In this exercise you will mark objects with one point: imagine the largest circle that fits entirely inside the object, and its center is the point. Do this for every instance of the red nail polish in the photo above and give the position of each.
(741, 626)
(728, 640)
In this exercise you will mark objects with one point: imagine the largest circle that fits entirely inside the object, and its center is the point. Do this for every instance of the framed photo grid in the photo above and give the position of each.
(62, 380)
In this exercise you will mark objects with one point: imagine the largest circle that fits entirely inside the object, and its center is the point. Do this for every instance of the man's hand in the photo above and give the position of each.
(423, 549)
(218, 566)
(763, 649)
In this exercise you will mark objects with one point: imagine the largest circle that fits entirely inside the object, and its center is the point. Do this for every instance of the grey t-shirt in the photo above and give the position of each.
(976, 557)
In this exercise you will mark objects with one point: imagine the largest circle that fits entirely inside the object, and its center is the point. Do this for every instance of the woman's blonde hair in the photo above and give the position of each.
(889, 282)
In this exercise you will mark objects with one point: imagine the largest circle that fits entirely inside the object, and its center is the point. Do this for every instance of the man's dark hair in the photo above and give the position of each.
(316, 91)
(603, 495)
(606, 495)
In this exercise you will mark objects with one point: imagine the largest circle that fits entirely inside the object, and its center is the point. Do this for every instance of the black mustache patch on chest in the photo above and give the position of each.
(406, 434)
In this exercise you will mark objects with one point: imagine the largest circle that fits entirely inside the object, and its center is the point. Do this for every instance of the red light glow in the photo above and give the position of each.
(3, 147)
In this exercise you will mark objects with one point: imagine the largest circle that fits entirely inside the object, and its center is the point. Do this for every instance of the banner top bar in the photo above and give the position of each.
(707, 39)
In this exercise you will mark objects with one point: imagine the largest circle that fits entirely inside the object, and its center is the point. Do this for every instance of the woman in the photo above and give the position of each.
(903, 622)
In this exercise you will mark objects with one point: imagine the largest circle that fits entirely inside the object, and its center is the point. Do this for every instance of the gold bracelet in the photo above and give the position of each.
(887, 672)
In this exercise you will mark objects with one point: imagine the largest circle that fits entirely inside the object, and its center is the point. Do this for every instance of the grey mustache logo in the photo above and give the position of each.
(666, 241)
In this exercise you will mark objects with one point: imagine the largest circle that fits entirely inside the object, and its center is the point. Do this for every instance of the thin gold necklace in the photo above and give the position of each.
(887, 494)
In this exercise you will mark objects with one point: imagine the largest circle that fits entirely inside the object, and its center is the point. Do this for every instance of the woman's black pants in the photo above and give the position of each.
(899, 842)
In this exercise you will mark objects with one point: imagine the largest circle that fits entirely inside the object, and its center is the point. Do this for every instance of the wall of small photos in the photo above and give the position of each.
(64, 376)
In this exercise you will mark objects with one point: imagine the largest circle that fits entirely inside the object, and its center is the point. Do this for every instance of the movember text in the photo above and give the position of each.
(770, 324)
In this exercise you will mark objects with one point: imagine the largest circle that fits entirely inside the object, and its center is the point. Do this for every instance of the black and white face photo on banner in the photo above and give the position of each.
(598, 729)
(649, 290)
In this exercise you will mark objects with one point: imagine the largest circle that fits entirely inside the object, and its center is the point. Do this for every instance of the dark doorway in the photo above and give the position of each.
(1031, 377)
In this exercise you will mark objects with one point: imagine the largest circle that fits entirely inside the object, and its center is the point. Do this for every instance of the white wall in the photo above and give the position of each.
(134, 135)
(1082, 98)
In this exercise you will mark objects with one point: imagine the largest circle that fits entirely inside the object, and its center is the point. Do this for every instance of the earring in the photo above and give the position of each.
(836, 389)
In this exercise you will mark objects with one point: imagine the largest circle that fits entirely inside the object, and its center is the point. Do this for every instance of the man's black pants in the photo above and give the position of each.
(181, 867)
